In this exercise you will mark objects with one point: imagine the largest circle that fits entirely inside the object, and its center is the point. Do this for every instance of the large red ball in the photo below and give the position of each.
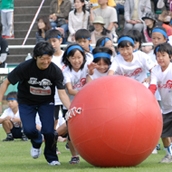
(115, 121)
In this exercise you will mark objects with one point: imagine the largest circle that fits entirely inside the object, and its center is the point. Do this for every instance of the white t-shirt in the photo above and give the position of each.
(89, 57)
(77, 79)
(58, 61)
(77, 21)
(136, 69)
(9, 112)
(109, 15)
(163, 80)
(97, 74)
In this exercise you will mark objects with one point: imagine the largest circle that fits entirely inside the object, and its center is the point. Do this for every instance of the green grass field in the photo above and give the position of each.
(15, 157)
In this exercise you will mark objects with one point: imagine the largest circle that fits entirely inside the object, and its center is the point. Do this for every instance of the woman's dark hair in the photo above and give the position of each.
(68, 53)
(164, 47)
(125, 43)
(45, 19)
(42, 48)
(136, 35)
(102, 41)
(105, 31)
(83, 7)
(102, 50)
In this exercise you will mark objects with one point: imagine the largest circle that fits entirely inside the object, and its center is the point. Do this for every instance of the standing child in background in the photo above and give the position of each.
(43, 26)
(54, 37)
(74, 78)
(76, 69)
(129, 63)
(10, 119)
(137, 36)
(7, 18)
(106, 42)
(159, 36)
(83, 38)
(161, 77)
(78, 19)
(102, 62)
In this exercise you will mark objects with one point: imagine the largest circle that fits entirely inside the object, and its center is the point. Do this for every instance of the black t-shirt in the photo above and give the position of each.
(36, 86)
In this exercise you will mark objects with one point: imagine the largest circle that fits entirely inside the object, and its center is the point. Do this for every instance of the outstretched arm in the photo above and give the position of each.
(3, 89)
(64, 98)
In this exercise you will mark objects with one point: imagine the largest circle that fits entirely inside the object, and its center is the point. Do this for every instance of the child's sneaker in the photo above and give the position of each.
(158, 146)
(74, 160)
(154, 151)
(167, 159)
(35, 153)
(54, 163)
(24, 138)
(8, 138)
(67, 146)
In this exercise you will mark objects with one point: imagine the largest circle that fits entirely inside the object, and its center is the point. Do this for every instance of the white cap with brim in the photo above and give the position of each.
(99, 19)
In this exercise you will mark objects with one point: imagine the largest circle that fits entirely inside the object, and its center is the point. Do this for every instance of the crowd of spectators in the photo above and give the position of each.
(105, 18)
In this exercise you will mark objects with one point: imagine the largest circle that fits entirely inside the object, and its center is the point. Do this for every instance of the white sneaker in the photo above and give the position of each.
(167, 159)
(154, 151)
(35, 153)
(54, 163)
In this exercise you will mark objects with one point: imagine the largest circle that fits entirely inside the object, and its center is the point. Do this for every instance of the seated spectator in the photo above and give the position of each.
(119, 9)
(108, 14)
(167, 26)
(59, 11)
(110, 3)
(99, 30)
(10, 119)
(3, 49)
(78, 19)
(43, 26)
(166, 3)
(149, 23)
(167, 11)
(133, 14)
(156, 9)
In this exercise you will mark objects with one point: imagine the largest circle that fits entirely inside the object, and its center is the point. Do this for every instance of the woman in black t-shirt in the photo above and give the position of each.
(37, 79)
